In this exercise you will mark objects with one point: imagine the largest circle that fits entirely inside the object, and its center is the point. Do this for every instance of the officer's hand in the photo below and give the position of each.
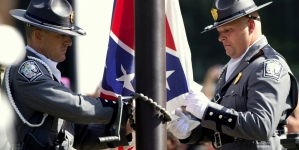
(181, 126)
(129, 130)
(196, 103)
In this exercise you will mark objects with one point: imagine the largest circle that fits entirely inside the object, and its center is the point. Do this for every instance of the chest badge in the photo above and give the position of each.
(238, 78)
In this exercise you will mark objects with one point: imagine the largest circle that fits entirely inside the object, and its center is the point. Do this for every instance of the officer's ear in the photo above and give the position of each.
(251, 25)
(38, 34)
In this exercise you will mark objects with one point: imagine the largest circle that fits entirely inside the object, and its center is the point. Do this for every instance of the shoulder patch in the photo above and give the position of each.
(272, 69)
(30, 70)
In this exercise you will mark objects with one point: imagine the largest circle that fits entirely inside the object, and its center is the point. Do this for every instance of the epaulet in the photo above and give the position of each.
(280, 56)
(270, 53)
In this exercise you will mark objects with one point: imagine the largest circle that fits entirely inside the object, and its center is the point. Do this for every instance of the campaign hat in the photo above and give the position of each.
(53, 15)
(225, 11)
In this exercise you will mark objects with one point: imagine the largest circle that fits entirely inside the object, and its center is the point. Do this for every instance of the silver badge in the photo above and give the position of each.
(30, 70)
(272, 69)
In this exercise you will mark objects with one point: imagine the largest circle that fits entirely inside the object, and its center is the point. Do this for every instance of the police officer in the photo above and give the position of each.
(256, 91)
(49, 115)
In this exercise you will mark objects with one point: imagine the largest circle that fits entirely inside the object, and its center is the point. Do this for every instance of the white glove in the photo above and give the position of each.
(181, 126)
(196, 104)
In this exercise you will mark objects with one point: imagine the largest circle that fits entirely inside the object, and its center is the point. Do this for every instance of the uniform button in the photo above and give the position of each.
(220, 116)
(232, 91)
(113, 102)
(230, 120)
(106, 100)
(211, 113)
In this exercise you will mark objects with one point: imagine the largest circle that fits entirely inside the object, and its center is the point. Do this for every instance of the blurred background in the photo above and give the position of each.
(280, 25)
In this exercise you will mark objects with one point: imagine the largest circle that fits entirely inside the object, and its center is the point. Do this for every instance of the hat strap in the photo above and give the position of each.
(41, 21)
(253, 17)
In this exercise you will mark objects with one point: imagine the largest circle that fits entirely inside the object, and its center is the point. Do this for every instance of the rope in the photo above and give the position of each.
(166, 115)
(45, 115)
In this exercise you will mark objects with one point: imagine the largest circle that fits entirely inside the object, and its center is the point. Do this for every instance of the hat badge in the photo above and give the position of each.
(72, 17)
(214, 14)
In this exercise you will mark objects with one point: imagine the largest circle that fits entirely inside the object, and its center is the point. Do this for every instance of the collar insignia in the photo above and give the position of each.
(238, 78)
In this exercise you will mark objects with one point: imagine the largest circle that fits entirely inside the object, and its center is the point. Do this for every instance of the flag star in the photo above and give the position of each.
(168, 73)
(127, 78)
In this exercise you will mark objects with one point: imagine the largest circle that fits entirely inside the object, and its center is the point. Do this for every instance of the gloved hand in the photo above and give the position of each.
(181, 126)
(196, 104)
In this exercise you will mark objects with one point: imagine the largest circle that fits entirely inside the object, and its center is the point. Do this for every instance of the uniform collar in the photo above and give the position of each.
(252, 46)
(255, 47)
(49, 62)
(251, 51)
(234, 62)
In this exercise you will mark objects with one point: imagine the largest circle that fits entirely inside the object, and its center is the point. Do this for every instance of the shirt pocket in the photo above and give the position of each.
(235, 97)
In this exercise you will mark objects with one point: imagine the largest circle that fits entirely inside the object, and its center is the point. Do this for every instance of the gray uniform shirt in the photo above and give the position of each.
(35, 92)
(254, 103)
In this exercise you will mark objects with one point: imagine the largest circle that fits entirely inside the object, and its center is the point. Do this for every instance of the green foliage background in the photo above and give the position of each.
(280, 24)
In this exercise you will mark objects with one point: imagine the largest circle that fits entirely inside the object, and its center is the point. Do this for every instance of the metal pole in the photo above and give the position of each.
(0, 76)
(150, 73)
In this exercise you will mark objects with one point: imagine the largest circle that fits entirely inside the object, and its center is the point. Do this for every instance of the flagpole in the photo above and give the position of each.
(150, 72)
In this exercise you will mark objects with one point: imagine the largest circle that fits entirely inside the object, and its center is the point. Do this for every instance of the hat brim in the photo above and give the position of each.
(217, 24)
(19, 14)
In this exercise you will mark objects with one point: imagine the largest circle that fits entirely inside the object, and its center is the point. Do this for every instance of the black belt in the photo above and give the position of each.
(221, 139)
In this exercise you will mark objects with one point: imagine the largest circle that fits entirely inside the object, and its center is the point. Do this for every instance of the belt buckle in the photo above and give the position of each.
(217, 140)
